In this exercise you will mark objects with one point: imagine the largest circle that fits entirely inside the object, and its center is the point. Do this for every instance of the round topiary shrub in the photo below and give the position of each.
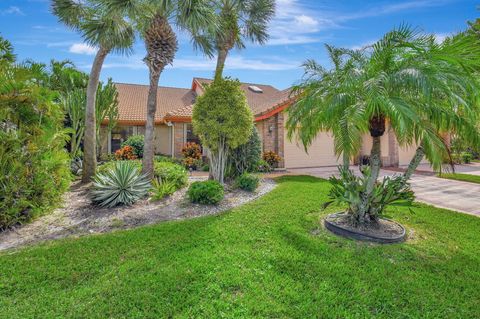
(247, 182)
(206, 192)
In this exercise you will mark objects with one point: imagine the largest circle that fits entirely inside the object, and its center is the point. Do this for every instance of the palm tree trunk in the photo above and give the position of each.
(346, 161)
(412, 166)
(89, 153)
(222, 57)
(363, 216)
(148, 148)
(375, 163)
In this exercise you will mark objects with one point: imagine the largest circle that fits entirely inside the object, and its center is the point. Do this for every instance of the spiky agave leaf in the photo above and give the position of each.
(120, 185)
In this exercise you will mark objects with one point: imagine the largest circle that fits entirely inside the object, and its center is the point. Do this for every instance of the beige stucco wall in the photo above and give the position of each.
(162, 140)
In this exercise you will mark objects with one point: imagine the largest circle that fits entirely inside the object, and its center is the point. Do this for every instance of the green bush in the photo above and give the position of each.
(466, 157)
(103, 168)
(350, 190)
(245, 157)
(122, 184)
(168, 159)
(207, 192)
(248, 182)
(136, 142)
(34, 166)
(205, 167)
(161, 188)
(171, 172)
(263, 167)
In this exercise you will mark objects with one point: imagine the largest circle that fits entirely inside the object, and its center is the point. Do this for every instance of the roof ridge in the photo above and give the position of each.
(160, 86)
(247, 83)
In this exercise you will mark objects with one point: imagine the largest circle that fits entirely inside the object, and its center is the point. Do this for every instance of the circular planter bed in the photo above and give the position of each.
(386, 232)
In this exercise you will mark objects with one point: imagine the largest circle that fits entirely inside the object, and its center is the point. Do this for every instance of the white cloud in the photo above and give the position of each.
(392, 8)
(82, 48)
(440, 37)
(200, 64)
(12, 10)
(295, 23)
(306, 20)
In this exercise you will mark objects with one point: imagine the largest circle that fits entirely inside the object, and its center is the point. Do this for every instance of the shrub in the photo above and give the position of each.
(34, 166)
(123, 184)
(161, 188)
(207, 192)
(136, 142)
(103, 168)
(125, 153)
(272, 158)
(263, 167)
(171, 172)
(192, 154)
(248, 182)
(168, 159)
(466, 157)
(350, 190)
(205, 167)
(245, 157)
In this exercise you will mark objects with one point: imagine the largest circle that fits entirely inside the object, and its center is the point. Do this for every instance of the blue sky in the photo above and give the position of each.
(298, 32)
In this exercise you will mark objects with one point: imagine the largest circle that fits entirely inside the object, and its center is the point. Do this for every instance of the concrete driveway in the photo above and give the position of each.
(455, 195)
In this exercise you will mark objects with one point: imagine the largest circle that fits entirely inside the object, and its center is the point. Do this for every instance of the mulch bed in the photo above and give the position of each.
(79, 217)
(385, 231)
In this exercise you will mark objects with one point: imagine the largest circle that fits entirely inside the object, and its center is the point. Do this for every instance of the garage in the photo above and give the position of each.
(320, 153)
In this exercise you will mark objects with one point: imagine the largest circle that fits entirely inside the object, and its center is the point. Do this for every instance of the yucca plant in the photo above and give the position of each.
(123, 184)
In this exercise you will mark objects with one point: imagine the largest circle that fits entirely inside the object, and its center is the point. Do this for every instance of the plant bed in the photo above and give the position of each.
(385, 232)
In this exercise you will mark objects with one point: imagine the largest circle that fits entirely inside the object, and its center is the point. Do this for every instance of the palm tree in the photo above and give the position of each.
(108, 31)
(237, 21)
(154, 20)
(421, 88)
(324, 85)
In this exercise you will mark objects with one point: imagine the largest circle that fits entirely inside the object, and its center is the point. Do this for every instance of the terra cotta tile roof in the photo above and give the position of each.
(177, 103)
(132, 106)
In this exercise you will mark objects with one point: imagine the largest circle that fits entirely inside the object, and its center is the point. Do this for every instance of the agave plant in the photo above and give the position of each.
(123, 184)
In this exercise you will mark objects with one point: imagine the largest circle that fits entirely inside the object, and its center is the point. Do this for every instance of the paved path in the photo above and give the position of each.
(450, 194)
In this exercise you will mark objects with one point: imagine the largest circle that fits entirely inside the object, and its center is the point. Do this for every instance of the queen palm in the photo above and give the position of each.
(106, 30)
(237, 21)
(154, 20)
(420, 88)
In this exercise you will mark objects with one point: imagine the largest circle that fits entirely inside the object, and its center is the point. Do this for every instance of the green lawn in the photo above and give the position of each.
(267, 259)
(462, 177)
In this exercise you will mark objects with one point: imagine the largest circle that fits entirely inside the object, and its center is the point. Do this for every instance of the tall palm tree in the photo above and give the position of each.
(154, 20)
(106, 30)
(421, 88)
(237, 21)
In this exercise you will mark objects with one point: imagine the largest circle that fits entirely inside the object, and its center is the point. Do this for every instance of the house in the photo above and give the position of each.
(174, 129)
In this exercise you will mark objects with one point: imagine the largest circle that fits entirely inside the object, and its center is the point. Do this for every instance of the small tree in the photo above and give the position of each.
(223, 121)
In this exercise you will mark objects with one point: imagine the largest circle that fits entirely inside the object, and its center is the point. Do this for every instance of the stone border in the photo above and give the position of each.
(348, 233)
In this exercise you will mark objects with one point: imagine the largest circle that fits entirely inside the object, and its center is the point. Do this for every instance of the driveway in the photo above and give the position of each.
(455, 195)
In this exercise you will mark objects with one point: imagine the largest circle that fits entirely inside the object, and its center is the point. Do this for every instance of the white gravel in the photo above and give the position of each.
(79, 217)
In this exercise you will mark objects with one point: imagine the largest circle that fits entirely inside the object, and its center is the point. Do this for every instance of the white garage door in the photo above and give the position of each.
(320, 153)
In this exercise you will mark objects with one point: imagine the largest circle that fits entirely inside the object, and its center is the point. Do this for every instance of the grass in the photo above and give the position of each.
(461, 177)
(267, 259)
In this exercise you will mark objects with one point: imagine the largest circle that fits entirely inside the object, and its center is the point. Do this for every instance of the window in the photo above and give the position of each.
(191, 137)
(120, 135)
